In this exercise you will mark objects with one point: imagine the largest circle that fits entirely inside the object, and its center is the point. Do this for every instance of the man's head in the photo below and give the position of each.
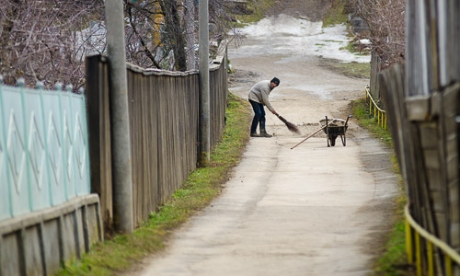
(274, 81)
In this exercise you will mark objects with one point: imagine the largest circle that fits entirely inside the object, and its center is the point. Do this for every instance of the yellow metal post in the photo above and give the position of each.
(410, 252)
(448, 262)
(383, 120)
(418, 254)
(429, 248)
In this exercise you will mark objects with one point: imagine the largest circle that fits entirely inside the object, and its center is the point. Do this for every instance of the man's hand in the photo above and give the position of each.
(274, 112)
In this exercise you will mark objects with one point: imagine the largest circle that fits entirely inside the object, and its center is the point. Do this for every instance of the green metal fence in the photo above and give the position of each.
(43, 148)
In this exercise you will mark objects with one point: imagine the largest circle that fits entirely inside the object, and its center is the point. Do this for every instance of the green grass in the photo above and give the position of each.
(353, 49)
(122, 251)
(393, 262)
(353, 69)
(361, 112)
(335, 14)
(259, 8)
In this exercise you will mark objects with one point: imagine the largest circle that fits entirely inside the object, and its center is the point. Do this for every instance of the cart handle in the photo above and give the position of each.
(346, 122)
(308, 137)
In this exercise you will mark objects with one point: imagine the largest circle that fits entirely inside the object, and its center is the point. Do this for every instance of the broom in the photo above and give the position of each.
(292, 127)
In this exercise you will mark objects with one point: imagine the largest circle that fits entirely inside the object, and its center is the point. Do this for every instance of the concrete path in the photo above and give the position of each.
(312, 210)
(309, 211)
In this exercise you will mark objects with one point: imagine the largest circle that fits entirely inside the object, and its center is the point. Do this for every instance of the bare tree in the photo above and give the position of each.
(190, 33)
(48, 40)
(38, 39)
(385, 19)
(174, 32)
(161, 33)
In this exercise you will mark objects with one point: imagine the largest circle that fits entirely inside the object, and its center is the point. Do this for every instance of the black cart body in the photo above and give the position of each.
(335, 128)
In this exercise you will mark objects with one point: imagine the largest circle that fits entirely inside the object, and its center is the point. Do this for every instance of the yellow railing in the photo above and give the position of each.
(414, 235)
(375, 110)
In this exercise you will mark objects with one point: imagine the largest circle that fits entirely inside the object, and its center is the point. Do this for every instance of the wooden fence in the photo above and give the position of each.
(422, 100)
(164, 128)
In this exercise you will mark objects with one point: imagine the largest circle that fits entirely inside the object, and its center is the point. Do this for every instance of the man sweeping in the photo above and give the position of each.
(258, 97)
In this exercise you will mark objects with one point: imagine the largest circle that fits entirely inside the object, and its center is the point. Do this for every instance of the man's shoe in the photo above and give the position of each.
(254, 134)
(263, 133)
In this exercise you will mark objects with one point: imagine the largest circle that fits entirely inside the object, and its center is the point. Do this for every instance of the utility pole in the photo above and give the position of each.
(190, 37)
(121, 144)
(205, 126)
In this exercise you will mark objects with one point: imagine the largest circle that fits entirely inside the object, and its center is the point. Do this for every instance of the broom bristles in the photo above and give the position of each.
(292, 127)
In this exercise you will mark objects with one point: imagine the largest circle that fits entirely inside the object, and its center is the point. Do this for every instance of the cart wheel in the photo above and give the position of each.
(344, 140)
(333, 141)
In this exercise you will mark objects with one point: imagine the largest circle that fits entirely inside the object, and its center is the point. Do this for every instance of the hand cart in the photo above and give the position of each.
(334, 128)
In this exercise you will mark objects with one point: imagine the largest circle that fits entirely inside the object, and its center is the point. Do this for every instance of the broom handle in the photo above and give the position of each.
(308, 137)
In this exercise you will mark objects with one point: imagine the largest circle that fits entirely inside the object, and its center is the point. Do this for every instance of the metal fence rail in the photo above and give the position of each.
(420, 244)
(43, 148)
(375, 110)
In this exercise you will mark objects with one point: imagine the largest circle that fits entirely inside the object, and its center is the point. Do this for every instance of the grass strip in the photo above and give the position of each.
(350, 69)
(122, 251)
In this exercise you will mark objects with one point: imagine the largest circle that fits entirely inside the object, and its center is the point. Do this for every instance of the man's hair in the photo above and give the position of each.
(276, 80)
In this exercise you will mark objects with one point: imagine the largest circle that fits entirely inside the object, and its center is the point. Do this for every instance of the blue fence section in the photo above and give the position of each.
(43, 148)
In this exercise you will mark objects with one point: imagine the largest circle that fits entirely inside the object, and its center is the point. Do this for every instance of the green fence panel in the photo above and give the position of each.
(43, 149)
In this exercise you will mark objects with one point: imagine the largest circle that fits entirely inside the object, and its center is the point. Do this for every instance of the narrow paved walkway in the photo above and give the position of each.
(309, 211)
(312, 210)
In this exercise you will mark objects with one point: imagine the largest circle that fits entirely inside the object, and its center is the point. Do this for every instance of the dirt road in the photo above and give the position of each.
(312, 210)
